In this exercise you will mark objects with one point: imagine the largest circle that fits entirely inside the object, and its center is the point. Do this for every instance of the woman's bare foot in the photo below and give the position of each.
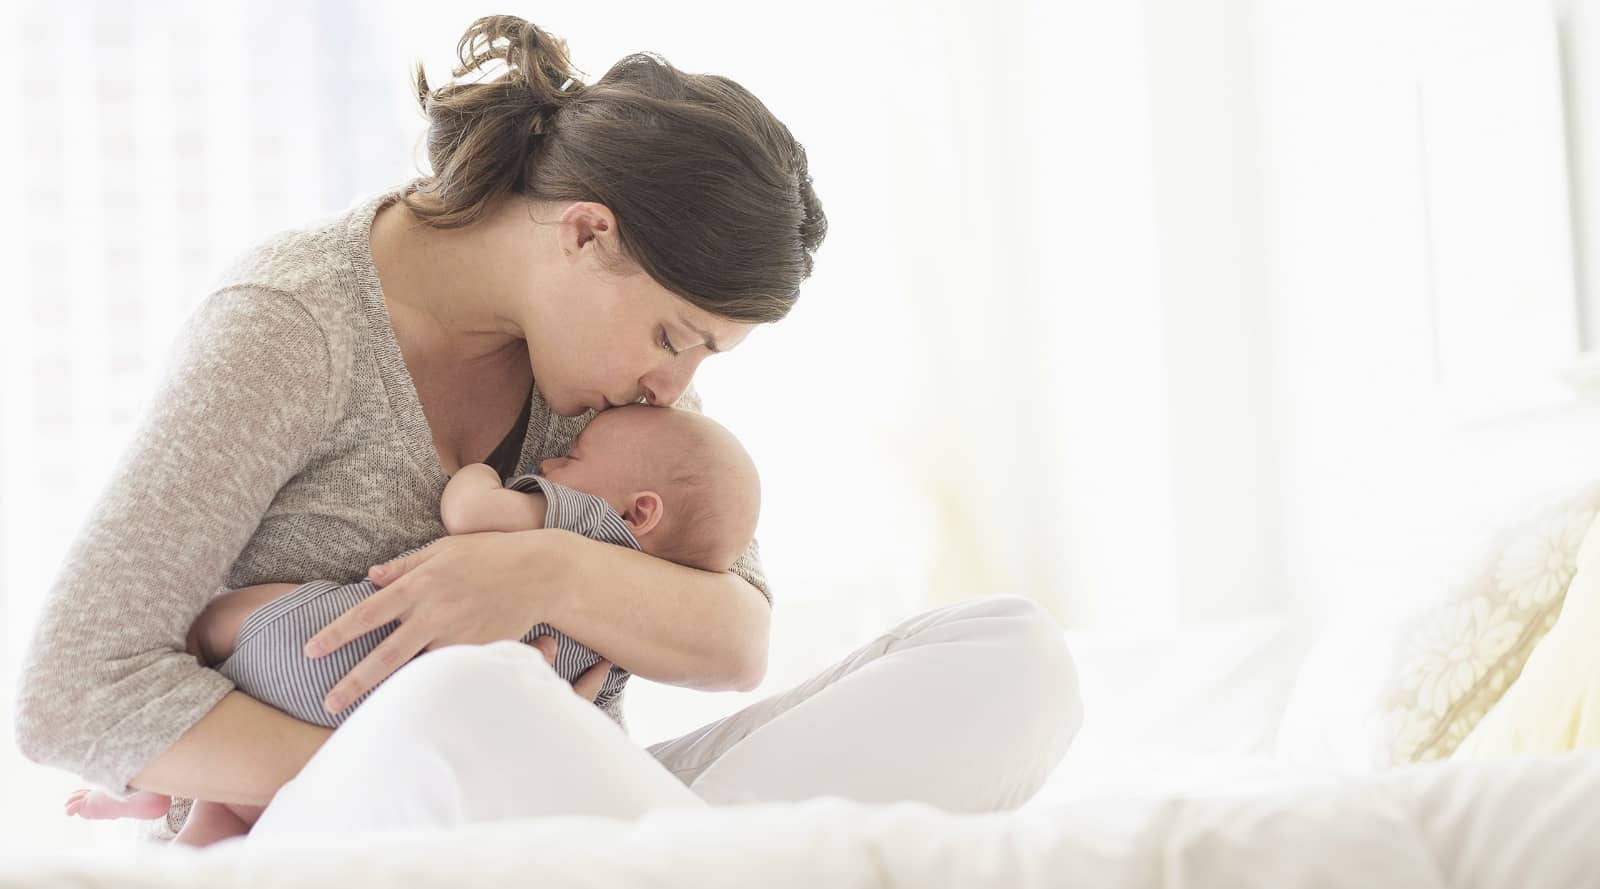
(87, 803)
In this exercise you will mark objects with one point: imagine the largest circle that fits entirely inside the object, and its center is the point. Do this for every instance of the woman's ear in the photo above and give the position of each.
(644, 512)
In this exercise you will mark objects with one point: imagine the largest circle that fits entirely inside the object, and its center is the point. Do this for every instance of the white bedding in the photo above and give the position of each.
(1509, 824)
(1171, 783)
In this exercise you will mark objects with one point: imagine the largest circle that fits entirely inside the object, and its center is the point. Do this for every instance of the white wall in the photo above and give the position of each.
(1378, 485)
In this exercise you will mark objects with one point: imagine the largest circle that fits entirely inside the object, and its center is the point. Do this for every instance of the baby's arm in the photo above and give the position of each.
(475, 499)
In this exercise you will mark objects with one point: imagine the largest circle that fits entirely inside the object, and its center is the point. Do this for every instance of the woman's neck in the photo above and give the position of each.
(435, 283)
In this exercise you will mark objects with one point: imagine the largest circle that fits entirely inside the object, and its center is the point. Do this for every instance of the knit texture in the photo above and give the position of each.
(285, 443)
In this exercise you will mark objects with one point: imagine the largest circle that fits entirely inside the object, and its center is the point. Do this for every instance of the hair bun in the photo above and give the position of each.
(534, 58)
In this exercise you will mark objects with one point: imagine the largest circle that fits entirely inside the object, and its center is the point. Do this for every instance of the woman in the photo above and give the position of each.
(577, 247)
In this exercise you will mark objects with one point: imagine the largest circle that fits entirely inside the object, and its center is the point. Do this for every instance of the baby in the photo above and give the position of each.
(670, 482)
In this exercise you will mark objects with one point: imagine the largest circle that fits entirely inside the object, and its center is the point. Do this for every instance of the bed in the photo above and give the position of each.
(1524, 822)
(1173, 782)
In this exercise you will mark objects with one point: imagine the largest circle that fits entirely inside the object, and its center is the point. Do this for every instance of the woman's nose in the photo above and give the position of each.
(665, 388)
(665, 395)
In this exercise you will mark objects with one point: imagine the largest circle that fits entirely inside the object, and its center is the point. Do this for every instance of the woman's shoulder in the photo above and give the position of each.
(311, 274)
(263, 340)
(319, 259)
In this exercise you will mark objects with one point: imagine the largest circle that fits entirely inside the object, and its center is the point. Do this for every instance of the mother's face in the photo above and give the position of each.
(600, 340)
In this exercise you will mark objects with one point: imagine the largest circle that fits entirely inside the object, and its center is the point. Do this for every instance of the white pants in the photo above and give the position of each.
(968, 707)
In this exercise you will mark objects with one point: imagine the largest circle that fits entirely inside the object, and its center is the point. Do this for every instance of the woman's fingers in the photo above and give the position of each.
(360, 619)
(397, 567)
(390, 655)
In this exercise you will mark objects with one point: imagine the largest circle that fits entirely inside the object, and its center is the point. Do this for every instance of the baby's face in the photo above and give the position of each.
(610, 458)
(684, 484)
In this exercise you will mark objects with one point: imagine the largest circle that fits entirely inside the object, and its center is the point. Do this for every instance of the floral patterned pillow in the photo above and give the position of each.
(1458, 657)
(1410, 687)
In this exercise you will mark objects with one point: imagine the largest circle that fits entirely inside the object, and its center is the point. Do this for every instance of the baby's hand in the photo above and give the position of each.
(547, 647)
(589, 684)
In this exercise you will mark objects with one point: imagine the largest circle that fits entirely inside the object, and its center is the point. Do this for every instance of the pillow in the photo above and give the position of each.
(1554, 706)
(1407, 682)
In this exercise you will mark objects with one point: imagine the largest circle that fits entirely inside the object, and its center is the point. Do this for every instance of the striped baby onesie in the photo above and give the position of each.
(267, 662)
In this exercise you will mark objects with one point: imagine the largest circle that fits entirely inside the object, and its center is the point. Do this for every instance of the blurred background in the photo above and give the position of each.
(1159, 312)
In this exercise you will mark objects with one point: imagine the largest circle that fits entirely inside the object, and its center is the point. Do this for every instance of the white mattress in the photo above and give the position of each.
(1511, 824)
(1170, 783)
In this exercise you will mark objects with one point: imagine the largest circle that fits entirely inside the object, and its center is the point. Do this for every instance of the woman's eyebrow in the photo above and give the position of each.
(710, 341)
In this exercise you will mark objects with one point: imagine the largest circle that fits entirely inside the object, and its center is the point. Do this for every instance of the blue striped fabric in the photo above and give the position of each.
(267, 661)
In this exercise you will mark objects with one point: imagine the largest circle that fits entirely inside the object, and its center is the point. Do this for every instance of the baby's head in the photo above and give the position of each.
(686, 487)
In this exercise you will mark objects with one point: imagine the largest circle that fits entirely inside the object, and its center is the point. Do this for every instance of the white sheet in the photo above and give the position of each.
(1506, 824)
(1170, 783)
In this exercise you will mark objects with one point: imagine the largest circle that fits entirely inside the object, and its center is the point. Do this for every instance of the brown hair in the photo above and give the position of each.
(711, 193)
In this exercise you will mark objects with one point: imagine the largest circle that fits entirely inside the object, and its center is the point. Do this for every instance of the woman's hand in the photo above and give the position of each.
(466, 589)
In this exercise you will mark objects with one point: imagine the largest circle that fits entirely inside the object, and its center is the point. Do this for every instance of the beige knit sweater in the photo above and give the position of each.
(285, 444)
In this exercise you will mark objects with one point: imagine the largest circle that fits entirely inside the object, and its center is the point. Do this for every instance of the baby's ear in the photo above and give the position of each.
(644, 512)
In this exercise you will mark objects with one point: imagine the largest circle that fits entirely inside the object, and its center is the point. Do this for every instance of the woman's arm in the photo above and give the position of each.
(654, 618)
(106, 683)
(660, 620)
(240, 752)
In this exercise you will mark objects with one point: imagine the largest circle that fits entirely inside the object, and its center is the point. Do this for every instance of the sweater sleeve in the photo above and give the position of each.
(106, 684)
(748, 565)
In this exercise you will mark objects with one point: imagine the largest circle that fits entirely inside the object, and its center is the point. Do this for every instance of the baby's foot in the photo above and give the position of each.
(86, 803)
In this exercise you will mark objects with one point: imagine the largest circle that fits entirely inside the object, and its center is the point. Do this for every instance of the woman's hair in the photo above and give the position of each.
(711, 193)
